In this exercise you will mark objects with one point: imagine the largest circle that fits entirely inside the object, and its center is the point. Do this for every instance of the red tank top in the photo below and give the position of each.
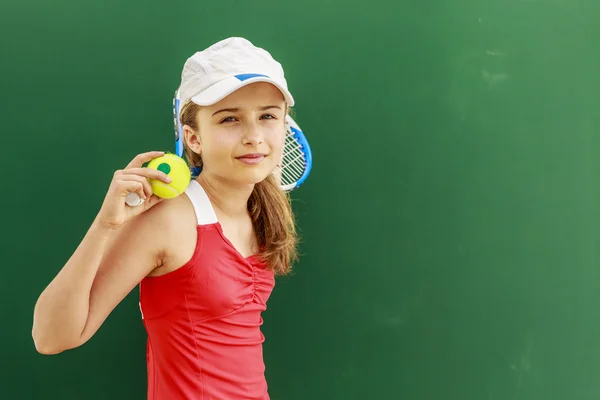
(203, 320)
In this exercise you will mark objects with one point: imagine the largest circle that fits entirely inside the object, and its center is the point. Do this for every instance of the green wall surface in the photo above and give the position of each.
(449, 227)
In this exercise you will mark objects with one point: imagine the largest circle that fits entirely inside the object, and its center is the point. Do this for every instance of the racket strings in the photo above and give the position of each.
(293, 162)
(298, 168)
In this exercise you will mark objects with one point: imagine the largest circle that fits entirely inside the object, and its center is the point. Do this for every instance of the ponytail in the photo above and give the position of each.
(274, 224)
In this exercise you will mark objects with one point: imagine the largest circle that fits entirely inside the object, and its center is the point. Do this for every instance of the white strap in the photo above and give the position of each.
(205, 214)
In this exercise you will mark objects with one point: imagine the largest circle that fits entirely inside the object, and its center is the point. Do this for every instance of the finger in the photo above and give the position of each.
(143, 181)
(142, 158)
(149, 173)
(132, 186)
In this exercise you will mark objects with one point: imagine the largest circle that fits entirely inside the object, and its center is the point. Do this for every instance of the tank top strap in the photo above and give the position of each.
(205, 214)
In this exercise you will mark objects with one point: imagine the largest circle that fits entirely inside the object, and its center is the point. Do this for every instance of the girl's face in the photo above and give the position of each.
(241, 137)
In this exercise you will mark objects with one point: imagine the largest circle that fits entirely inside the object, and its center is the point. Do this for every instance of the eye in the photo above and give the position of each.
(269, 116)
(227, 119)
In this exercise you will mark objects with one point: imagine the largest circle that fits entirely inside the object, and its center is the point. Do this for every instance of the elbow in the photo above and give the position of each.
(46, 346)
(46, 350)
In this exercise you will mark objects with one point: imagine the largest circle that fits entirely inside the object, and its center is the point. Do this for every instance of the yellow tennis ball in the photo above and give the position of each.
(177, 169)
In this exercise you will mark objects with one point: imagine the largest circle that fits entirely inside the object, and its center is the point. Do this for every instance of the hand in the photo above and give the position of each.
(133, 179)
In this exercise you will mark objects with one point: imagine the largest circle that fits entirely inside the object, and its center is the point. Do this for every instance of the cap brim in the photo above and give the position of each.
(224, 88)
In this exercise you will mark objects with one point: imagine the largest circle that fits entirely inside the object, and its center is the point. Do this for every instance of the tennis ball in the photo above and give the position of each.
(177, 169)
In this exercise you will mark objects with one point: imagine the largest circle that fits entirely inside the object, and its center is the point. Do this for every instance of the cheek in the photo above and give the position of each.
(223, 141)
(217, 148)
(277, 141)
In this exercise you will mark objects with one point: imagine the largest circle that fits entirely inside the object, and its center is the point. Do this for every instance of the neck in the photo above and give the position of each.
(230, 199)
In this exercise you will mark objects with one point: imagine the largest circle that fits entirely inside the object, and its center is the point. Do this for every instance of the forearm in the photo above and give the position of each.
(62, 309)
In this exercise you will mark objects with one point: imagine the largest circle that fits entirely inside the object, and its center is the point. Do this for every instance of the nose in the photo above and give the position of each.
(253, 134)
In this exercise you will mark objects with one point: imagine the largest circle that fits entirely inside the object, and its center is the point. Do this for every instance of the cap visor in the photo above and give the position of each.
(224, 88)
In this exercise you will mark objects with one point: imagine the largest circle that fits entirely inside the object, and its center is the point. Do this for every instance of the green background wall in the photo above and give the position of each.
(450, 223)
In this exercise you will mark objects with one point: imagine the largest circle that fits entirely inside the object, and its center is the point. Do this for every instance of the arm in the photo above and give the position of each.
(61, 309)
(118, 250)
(138, 248)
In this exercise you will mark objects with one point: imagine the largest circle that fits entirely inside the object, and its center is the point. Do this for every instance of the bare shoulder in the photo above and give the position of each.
(156, 234)
(174, 223)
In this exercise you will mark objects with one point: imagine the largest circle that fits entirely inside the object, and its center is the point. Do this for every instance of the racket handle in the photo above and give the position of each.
(133, 200)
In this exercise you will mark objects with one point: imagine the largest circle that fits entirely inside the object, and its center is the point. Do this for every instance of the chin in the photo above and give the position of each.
(253, 175)
(257, 178)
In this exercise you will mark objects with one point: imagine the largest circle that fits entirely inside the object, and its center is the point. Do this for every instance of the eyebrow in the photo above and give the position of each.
(234, 110)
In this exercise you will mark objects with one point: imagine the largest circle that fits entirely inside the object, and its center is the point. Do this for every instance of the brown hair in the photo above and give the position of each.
(269, 206)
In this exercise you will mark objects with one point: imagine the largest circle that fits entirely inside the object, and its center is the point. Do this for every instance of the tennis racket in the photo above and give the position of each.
(292, 170)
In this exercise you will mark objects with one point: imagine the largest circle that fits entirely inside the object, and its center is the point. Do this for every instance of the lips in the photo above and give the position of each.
(251, 158)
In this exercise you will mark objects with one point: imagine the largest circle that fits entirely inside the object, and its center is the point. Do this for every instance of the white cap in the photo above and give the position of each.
(214, 73)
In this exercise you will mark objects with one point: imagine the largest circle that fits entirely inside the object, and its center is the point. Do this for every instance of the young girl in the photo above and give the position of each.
(205, 261)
